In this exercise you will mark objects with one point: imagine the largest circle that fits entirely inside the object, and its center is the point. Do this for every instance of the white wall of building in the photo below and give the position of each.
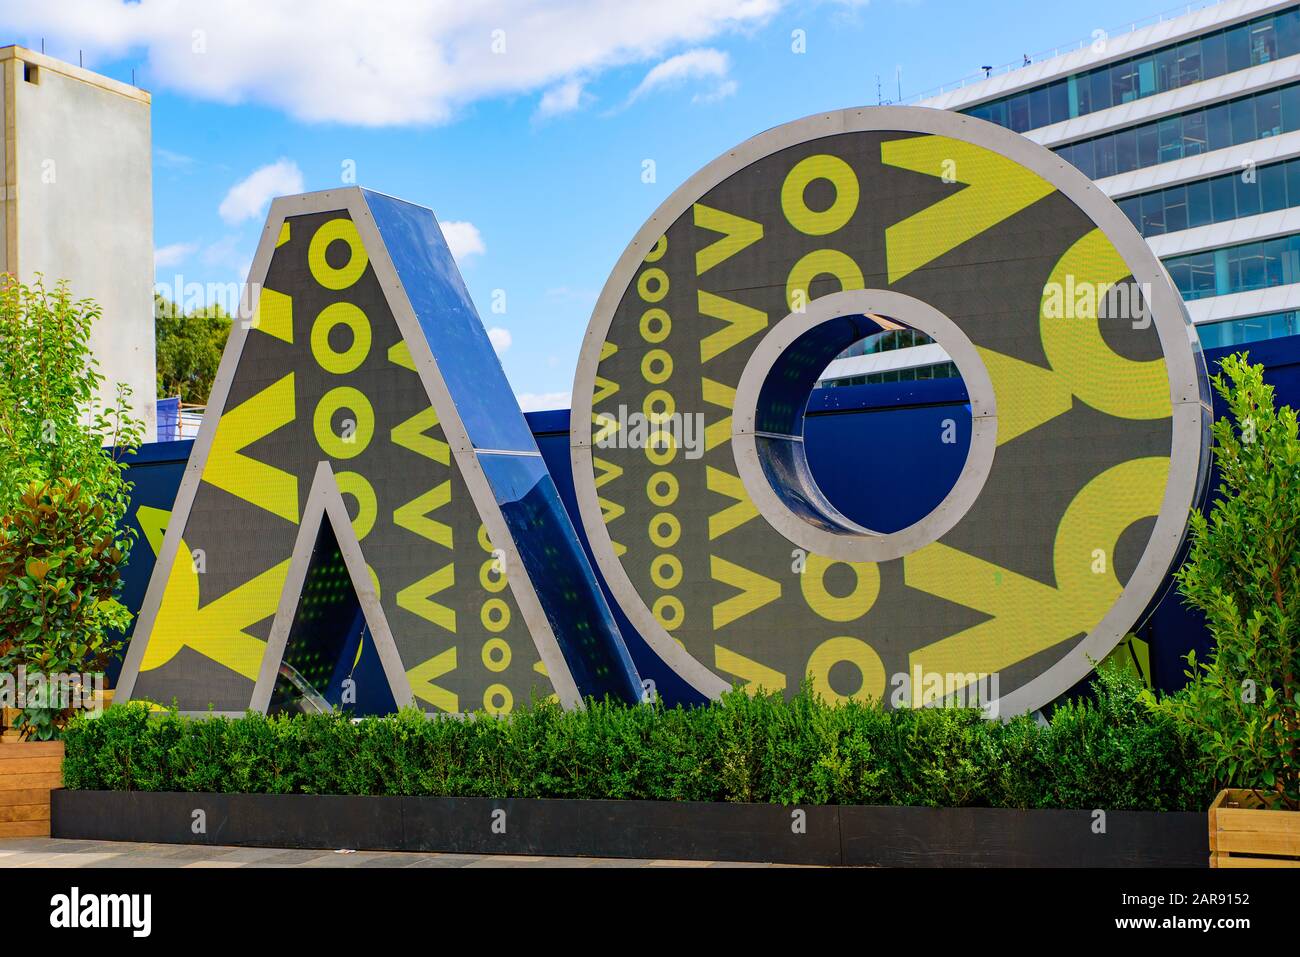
(81, 147)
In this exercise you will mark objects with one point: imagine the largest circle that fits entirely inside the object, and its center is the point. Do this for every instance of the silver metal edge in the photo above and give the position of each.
(325, 504)
(871, 546)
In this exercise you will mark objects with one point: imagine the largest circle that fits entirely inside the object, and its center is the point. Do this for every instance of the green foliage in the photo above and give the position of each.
(188, 348)
(62, 498)
(1114, 753)
(1243, 573)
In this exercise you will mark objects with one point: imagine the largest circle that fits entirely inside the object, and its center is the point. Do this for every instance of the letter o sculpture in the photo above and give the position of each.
(1088, 415)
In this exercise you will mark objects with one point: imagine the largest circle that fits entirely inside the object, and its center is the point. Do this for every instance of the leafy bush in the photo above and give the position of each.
(62, 498)
(1112, 752)
(1243, 573)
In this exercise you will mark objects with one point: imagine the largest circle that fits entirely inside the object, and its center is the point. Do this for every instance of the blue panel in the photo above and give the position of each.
(563, 579)
(882, 468)
(460, 345)
(551, 430)
(169, 418)
(154, 472)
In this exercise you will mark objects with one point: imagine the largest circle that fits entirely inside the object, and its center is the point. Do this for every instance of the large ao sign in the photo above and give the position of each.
(365, 480)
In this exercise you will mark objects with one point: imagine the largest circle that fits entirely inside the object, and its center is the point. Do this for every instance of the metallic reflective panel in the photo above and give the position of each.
(564, 580)
(460, 346)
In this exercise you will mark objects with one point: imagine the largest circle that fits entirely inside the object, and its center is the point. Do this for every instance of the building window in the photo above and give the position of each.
(1257, 265)
(1239, 47)
(1236, 332)
(1215, 200)
(1269, 113)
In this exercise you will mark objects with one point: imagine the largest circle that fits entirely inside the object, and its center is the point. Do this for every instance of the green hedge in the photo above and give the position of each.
(1109, 753)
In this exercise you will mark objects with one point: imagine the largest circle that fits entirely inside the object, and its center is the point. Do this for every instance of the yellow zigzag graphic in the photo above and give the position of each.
(400, 355)
(413, 516)
(735, 515)
(255, 482)
(996, 189)
(274, 314)
(738, 234)
(217, 629)
(416, 597)
(1027, 395)
(755, 591)
(410, 435)
(756, 677)
(742, 322)
(715, 393)
(422, 686)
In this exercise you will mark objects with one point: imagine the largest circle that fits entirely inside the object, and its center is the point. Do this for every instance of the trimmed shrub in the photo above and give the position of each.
(1110, 752)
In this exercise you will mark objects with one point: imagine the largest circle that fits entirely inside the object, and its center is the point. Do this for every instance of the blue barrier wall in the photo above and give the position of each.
(873, 452)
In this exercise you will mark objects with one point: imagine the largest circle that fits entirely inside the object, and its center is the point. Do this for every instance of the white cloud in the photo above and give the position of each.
(720, 92)
(171, 255)
(702, 64)
(376, 64)
(543, 401)
(250, 196)
(565, 98)
(170, 159)
(463, 239)
(500, 338)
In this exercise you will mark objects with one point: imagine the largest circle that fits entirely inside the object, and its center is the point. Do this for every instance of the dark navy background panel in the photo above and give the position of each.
(155, 472)
(873, 452)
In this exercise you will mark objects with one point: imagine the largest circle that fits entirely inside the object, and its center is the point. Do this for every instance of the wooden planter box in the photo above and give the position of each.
(8, 720)
(1244, 834)
(29, 771)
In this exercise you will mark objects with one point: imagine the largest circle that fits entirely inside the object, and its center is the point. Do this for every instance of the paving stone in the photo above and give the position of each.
(54, 852)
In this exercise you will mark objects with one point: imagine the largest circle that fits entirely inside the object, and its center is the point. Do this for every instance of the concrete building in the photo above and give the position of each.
(1192, 125)
(78, 204)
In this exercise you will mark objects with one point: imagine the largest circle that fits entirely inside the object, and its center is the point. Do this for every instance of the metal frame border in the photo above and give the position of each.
(1189, 390)
(867, 545)
(352, 201)
(325, 504)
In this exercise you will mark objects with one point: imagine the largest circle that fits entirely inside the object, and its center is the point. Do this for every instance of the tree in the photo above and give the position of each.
(62, 496)
(1243, 573)
(189, 347)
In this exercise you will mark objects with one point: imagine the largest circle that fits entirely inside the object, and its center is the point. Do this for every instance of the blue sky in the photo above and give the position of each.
(532, 140)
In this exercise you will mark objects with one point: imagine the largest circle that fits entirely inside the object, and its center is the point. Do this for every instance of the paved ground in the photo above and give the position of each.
(50, 852)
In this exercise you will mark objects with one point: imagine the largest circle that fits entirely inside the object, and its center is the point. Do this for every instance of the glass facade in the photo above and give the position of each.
(1243, 120)
(1257, 265)
(1215, 200)
(1236, 332)
(940, 370)
(886, 341)
(1234, 48)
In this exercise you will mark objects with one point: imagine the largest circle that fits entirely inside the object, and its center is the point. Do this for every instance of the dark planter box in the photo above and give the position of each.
(879, 836)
